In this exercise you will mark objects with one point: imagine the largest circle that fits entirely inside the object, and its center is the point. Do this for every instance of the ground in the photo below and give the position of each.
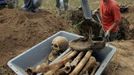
(122, 62)
(21, 30)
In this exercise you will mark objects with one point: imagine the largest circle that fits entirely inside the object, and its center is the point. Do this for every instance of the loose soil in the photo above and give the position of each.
(122, 62)
(21, 30)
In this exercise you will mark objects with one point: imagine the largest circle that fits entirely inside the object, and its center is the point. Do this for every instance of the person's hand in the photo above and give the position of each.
(107, 34)
(131, 27)
(96, 10)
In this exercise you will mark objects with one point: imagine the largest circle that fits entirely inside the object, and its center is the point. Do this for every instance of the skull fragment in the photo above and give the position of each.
(59, 44)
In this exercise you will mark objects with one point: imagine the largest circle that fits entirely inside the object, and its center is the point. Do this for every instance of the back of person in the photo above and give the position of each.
(110, 13)
(110, 17)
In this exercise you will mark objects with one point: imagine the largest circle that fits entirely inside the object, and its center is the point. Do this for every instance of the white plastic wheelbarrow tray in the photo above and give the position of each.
(39, 52)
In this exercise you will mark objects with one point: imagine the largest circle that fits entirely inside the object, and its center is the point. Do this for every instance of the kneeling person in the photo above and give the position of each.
(110, 17)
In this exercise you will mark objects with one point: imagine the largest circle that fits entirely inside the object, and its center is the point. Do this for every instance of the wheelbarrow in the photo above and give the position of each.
(39, 52)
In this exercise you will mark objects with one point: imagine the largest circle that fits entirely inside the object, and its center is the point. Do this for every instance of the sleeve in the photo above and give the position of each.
(116, 13)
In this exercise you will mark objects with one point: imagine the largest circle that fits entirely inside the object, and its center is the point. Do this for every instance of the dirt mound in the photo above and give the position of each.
(26, 29)
(131, 9)
(83, 26)
(20, 30)
(130, 16)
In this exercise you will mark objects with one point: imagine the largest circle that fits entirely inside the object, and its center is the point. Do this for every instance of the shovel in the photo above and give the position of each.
(82, 44)
(86, 10)
(106, 37)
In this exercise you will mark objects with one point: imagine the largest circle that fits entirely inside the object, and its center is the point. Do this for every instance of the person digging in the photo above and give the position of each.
(110, 19)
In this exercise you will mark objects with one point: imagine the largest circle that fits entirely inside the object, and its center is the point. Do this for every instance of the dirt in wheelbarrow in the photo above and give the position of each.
(20, 30)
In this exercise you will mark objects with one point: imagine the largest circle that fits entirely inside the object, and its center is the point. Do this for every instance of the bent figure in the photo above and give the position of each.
(110, 18)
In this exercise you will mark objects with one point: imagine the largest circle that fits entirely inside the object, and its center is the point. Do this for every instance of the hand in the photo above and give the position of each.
(107, 34)
(95, 11)
(131, 27)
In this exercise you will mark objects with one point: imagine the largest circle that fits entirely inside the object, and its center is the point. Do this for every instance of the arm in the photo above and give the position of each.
(117, 17)
(115, 12)
(113, 25)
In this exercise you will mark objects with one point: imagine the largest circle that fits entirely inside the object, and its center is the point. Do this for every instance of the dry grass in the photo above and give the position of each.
(50, 4)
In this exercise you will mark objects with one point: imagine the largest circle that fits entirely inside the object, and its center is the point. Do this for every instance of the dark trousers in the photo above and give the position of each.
(29, 5)
(65, 4)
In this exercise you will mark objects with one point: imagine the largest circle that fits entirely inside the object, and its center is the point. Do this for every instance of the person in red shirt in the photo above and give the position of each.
(110, 18)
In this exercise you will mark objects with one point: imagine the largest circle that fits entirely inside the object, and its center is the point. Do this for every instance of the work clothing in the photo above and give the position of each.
(62, 4)
(32, 5)
(110, 13)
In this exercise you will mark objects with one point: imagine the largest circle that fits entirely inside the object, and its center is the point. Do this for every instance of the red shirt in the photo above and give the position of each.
(110, 13)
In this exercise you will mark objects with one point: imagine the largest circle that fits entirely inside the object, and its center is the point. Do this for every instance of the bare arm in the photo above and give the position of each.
(113, 25)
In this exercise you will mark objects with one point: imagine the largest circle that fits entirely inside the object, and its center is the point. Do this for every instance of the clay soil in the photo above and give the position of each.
(21, 30)
(122, 62)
